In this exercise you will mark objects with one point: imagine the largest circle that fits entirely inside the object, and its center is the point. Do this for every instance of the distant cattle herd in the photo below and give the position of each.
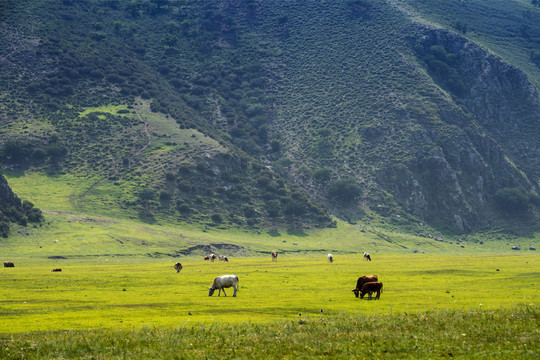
(367, 284)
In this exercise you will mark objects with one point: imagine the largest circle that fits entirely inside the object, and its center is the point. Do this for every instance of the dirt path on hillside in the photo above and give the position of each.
(116, 165)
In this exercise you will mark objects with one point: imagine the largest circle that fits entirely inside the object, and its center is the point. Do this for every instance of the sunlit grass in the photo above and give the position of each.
(116, 292)
(511, 333)
(112, 109)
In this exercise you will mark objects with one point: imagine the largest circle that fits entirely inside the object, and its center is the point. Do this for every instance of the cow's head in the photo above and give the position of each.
(355, 291)
(211, 291)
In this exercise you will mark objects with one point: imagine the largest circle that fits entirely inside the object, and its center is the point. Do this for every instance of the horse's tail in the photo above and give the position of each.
(381, 288)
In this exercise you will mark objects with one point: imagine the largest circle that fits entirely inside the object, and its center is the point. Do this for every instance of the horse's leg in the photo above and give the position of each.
(234, 295)
(224, 292)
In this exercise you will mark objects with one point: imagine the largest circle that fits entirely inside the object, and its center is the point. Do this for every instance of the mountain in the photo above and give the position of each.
(280, 113)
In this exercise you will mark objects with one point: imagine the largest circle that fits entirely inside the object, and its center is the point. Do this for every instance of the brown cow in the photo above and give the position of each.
(178, 267)
(274, 255)
(371, 287)
(56, 270)
(8, 264)
(362, 280)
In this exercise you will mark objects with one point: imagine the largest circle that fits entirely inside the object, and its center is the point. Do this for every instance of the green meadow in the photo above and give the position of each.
(119, 297)
(118, 293)
(431, 305)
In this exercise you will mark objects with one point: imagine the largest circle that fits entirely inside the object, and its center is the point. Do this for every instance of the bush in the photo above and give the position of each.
(164, 196)
(294, 208)
(183, 208)
(146, 195)
(512, 200)
(16, 150)
(322, 175)
(56, 151)
(185, 185)
(4, 229)
(344, 190)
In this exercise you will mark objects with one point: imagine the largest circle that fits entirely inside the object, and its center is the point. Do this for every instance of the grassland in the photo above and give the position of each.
(118, 295)
(129, 308)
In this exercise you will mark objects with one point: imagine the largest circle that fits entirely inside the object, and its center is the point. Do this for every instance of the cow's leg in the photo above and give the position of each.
(234, 295)
(224, 292)
(378, 295)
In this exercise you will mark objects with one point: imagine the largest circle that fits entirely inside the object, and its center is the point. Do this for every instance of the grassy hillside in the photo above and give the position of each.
(254, 115)
(72, 233)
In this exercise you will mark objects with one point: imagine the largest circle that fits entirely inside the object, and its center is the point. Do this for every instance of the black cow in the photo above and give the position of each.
(371, 287)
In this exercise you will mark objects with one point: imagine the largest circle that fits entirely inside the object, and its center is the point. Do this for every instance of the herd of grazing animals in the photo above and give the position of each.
(367, 284)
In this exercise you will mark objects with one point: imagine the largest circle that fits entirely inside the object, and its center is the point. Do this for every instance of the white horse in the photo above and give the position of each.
(366, 256)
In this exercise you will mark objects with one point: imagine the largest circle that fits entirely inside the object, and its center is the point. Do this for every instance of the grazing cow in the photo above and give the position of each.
(274, 255)
(207, 257)
(8, 264)
(178, 267)
(362, 280)
(331, 258)
(56, 270)
(213, 257)
(222, 282)
(223, 258)
(366, 256)
(371, 287)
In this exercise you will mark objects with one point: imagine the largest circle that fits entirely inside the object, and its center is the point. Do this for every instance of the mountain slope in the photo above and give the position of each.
(401, 130)
(230, 112)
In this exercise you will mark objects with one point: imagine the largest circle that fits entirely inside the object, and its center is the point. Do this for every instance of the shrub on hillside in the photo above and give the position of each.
(322, 175)
(344, 190)
(15, 151)
(512, 200)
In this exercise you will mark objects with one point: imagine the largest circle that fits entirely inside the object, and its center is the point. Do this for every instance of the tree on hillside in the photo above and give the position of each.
(146, 195)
